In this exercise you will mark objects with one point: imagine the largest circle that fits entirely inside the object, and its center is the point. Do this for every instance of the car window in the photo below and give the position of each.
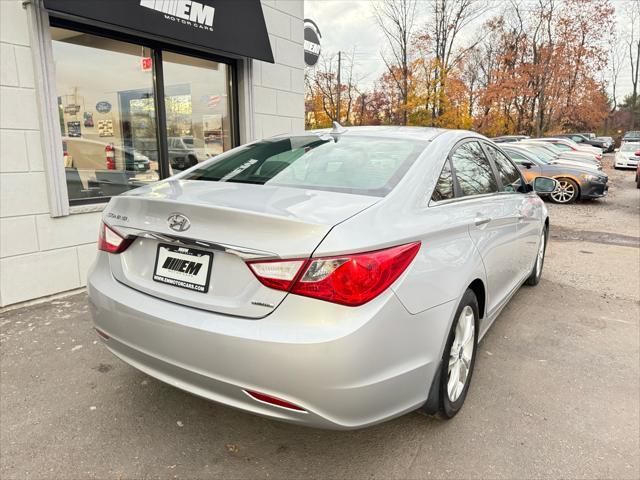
(630, 147)
(577, 139)
(444, 187)
(359, 164)
(516, 157)
(507, 171)
(473, 170)
(562, 146)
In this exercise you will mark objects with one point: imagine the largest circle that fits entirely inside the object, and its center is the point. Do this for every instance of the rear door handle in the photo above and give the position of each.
(481, 221)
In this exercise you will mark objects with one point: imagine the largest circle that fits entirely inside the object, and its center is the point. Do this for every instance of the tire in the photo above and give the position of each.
(192, 160)
(567, 191)
(536, 272)
(452, 396)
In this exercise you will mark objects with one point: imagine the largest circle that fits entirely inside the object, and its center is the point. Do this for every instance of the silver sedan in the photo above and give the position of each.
(334, 279)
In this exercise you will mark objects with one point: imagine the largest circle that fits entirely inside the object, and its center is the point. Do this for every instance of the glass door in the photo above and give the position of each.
(196, 93)
(121, 102)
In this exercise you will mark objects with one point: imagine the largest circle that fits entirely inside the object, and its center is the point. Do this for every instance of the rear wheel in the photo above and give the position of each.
(459, 356)
(536, 273)
(566, 192)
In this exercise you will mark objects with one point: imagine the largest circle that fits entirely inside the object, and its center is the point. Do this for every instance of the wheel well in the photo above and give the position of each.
(478, 288)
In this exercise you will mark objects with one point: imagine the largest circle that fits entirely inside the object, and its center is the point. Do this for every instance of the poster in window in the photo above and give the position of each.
(88, 119)
(105, 128)
(73, 129)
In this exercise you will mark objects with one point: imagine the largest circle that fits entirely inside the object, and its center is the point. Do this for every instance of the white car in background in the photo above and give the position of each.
(628, 155)
(571, 147)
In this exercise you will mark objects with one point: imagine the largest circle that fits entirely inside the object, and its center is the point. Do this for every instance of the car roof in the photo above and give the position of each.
(415, 133)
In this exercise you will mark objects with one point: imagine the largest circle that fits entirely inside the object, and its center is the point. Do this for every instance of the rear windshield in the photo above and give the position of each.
(361, 165)
(630, 147)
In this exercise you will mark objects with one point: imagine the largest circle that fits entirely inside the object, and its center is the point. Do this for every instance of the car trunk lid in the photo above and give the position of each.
(228, 224)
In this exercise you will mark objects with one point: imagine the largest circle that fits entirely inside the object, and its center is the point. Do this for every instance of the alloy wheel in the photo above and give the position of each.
(565, 192)
(461, 353)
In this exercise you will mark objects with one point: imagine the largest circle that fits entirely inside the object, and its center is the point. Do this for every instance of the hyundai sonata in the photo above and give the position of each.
(334, 279)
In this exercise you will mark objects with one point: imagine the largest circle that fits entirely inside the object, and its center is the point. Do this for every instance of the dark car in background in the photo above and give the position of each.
(631, 136)
(609, 144)
(580, 138)
(574, 183)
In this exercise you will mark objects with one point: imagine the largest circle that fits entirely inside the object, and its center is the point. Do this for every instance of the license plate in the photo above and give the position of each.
(183, 267)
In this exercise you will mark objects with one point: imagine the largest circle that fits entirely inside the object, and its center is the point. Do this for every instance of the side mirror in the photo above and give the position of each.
(526, 164)
(544, 185)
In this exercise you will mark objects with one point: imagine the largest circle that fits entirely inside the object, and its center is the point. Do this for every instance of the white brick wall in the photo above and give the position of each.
(278, 88)
(41, 255)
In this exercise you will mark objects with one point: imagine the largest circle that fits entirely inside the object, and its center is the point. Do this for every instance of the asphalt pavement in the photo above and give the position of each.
(555, 392)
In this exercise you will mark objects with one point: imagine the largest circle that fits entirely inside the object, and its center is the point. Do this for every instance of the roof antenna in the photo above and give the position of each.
(337, 128)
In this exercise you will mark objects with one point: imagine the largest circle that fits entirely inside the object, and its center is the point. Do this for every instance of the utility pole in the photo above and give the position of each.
(339, 87)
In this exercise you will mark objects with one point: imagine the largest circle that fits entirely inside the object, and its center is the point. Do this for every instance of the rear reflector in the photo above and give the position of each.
(110, 241)
(278, 402)
(350, 279)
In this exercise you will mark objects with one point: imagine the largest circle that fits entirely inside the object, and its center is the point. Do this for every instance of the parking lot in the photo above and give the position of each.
(555, 392)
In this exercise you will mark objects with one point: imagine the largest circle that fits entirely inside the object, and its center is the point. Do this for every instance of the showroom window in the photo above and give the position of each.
(131, 114)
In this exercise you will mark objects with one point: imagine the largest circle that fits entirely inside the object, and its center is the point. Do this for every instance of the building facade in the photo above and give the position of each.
(100, 97)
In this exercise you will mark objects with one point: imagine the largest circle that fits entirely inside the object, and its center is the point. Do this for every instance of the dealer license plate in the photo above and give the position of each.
(183, 267)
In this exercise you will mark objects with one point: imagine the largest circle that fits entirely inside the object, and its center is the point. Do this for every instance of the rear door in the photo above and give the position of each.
(493, 221)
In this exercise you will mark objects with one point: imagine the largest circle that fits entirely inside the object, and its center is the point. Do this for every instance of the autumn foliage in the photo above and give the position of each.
(532, 68)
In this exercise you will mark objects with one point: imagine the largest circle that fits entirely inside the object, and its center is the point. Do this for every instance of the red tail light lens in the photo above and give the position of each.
(350, 280)
(112, 242)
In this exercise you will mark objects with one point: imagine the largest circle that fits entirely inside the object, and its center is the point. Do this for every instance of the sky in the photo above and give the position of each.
(349, 25)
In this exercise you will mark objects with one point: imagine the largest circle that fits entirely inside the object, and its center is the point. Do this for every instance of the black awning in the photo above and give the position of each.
(232, 26)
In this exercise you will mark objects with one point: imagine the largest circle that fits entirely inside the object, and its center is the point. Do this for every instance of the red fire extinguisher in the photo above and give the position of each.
(110, 156)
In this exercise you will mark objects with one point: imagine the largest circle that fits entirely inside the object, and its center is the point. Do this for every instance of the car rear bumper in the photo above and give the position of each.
(347, 367)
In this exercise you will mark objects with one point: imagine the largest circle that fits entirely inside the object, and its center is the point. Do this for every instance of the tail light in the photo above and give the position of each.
(112, 242)
(110, 156)
(350, 280)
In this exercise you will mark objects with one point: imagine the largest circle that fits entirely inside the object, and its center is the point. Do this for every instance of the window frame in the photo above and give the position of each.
(456, 187)
(156, 48)
(485, 146)
(456, 184)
